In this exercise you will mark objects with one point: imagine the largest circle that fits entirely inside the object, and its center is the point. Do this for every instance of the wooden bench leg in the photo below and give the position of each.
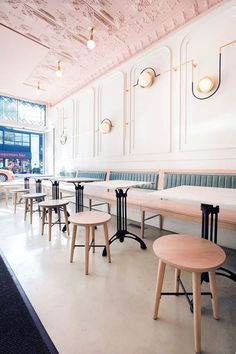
(66, 220)
(142, 223)
(160, 277)
(73, 243)
(107, 242)
(197, 311)
(177, 275)
(43, 220)
(212, 276)
(87, 229)
(50, 224)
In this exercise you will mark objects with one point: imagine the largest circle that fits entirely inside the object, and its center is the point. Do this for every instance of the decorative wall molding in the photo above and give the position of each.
(85, 124)
(150, 117)
(111, 93)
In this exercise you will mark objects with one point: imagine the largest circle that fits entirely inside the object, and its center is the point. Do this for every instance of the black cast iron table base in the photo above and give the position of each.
(121, 221)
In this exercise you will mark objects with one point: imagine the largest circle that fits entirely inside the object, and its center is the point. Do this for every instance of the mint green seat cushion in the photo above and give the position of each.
(92, 174)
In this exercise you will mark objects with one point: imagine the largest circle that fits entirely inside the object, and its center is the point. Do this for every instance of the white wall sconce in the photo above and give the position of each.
(208, 83)
(63, 137)
(105, 126)
(146, 77)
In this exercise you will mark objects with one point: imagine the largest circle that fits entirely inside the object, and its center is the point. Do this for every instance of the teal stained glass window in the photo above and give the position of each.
(22, 111)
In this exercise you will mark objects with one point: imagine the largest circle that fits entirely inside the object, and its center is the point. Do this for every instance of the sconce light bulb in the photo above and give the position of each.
(59, 71)
(91, 44)
(206, 84)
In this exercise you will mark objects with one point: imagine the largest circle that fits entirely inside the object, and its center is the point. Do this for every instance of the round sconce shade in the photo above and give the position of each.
(105, 126)
(146, 79)
(206, 84)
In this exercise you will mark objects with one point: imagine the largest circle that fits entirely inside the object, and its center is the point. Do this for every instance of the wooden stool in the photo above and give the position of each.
(29, 200)
(89, 219)
(195, 255)
(48, 206)
(15, 193)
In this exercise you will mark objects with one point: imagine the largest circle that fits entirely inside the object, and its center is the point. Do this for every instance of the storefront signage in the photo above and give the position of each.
(15, 155)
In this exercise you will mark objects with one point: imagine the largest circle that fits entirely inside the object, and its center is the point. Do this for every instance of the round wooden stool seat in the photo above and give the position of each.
(15, 195)
(89, 219)
(20, 190)
(190, 253)
(53, 203)
(34, 195)
(193, 254)
(48, 206)
(29, 199)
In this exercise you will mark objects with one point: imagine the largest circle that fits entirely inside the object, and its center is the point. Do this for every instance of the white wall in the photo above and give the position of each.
(163, 126)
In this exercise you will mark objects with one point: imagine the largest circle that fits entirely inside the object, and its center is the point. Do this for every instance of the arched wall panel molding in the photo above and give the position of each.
(111, 93)
(150, 125)
(84, 124)
(204, 125)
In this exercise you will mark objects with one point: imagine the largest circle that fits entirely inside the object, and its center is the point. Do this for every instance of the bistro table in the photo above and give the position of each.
(38, 181)
(79, 189)
(121, 188)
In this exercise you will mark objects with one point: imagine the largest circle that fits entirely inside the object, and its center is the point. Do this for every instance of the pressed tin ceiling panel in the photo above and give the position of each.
(123, 28)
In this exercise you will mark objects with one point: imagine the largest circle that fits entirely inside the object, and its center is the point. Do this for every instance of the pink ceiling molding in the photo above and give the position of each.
(123, 28)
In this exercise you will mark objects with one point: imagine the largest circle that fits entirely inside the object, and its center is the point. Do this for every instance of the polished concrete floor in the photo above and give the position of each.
(110, 310)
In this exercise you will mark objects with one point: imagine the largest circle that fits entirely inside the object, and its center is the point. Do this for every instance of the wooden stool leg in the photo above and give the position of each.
(87, 229)
(90, 204)
(160, 277)
(197, 311)
(93, 238)
(66, 220)
(108, 208)
(49, 224)
(177, 275)
(73, 243)
(142, 223)
(26, 207)
(31, 210)
(107, 242)
(43, 221)
(15, 201)
(212, 276)
(59, 217)
(6, 196)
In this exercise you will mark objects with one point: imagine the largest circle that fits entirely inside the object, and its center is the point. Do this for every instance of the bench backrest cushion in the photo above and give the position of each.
(67, 174)
(204, 180)
(137, 176)
(92, 174)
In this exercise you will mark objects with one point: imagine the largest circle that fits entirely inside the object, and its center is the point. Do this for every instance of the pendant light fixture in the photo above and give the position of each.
(90, 42)
(59, 71)
(38, 89)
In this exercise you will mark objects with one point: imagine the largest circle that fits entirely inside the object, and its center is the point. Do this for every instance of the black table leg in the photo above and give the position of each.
(79, 198)
(26, 182)
(55, 190)
(121, 219)
(38, 182)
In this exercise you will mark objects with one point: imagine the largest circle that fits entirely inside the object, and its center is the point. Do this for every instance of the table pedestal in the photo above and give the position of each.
(79, 197)
(121, 219)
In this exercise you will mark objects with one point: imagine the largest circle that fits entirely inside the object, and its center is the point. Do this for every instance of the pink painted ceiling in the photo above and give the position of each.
(60, 29)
